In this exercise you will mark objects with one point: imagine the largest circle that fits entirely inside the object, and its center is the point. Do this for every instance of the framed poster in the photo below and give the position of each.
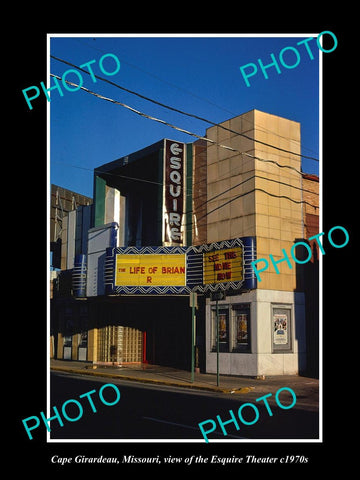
(281, 333)
(241, 328)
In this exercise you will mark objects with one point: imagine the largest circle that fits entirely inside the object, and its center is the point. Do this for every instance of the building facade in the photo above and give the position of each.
(264, 200)
(173, 220)
(66, 216)
(62, 201)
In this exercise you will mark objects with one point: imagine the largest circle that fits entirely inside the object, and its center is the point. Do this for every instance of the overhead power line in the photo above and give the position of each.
(182, 112)
(161, 184)
(188, 92)
(255, 190)
(150, 117)
(202, 138)
(222, 193)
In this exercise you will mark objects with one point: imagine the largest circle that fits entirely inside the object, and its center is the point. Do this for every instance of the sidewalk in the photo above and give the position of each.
(161, 375)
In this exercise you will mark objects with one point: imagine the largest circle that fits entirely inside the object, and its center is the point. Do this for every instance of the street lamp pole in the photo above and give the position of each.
(217, 296)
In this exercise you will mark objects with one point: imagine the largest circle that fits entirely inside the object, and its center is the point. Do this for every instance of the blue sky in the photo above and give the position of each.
(197, 74)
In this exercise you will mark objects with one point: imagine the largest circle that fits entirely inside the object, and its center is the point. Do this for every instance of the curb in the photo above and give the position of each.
(239, 390)
(151, 380)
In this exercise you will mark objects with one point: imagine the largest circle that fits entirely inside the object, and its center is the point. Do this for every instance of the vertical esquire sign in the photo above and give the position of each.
(174, 182)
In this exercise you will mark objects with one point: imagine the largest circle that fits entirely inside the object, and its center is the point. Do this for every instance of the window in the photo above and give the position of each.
(223, 329)
(234, 328)
(241, 328)
(281, 329)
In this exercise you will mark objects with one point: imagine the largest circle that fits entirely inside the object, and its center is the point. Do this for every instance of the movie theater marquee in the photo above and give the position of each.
(178, 270)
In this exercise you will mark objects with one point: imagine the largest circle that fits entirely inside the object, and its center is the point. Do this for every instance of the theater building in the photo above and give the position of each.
(174, 227)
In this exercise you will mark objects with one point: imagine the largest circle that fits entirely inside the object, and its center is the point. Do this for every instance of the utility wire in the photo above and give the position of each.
(257, 176)
(150, 117)
(188, 92)
(182, 112)
(199, 137)
(172, 85)
(126, 177)
(251, 191)
(161, 184)
(197, 220)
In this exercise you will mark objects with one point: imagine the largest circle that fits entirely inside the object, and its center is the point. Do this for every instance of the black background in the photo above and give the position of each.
(25, 201)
